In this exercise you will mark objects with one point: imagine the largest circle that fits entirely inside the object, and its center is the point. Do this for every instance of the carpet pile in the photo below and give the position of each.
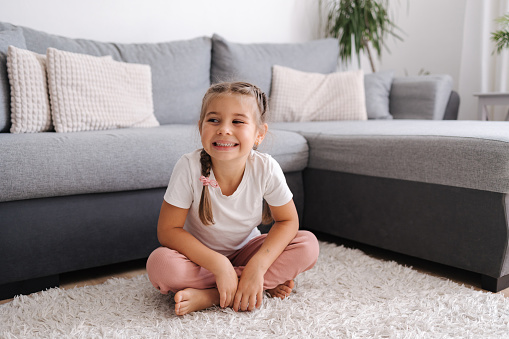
(346, 295)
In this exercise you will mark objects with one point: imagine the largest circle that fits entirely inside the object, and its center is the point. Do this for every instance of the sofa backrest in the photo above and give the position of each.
(253, 62)
(183, 70)
(180, 69)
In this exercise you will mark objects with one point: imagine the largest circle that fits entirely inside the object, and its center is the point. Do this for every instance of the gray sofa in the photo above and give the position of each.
(429, 188)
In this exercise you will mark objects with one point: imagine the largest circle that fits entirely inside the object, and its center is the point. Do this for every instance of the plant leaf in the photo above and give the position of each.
(360, 23)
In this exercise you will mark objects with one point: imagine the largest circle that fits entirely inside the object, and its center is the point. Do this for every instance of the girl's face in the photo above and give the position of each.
(229, 128)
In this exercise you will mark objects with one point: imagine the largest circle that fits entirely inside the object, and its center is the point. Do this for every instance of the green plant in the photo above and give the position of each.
(357, 24)
(501, 37)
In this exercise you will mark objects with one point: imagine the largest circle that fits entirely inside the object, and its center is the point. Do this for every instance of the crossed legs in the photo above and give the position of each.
(195, 287)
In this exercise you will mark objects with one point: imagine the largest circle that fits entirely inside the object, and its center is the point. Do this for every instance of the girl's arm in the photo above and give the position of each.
(250, 291)
(171, 234)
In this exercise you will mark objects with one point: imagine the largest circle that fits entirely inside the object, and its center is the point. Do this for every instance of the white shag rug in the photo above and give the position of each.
(346, 295)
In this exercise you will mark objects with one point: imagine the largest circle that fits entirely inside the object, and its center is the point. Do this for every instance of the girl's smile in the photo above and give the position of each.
(224, 145)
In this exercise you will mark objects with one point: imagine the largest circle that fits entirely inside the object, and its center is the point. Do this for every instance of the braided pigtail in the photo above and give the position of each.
(263, 104)
(267, 218)
(205, 209)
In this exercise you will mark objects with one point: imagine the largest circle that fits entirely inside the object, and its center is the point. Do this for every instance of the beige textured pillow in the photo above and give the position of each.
(302, 96)
(93, 93)
(30, 109)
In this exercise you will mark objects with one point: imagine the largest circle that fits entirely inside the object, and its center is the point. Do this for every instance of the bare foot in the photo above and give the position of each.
(283, 290)
(190, 300)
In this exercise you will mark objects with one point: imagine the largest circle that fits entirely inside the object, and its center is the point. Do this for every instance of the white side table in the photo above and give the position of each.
(488, 99)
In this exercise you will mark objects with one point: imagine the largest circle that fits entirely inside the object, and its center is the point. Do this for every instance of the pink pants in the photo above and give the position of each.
(169, 270)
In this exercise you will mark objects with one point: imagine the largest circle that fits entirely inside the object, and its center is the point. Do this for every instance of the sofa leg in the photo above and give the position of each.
(13, 289)
(494, 284)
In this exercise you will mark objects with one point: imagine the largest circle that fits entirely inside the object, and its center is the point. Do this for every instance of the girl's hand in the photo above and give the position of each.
(250, 291)
(227, 282)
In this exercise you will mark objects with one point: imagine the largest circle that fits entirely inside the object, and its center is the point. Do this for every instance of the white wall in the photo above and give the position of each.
(164, 20)
(432, 37)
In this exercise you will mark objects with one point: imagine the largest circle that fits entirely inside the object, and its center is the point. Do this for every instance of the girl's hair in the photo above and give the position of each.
(225, 88)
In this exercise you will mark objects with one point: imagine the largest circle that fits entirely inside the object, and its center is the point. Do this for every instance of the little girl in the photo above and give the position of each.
(213, 252)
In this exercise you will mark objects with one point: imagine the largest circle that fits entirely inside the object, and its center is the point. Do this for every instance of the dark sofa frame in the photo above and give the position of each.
(82, 231)
(459, 227)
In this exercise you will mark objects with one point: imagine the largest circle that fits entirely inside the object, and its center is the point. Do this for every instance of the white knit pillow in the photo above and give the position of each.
(93, 93)
(30, 109)
(302, 96)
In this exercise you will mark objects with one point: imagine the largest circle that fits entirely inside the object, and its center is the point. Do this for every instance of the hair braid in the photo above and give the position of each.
(267, 218)
(205, 209)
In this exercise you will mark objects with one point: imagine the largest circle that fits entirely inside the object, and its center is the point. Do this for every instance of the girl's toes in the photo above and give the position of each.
(178, 297)
(181, 310)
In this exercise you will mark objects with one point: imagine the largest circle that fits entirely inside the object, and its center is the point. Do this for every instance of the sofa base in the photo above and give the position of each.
(458, 227)
(50, 236)
(494, 284)
(42, 238)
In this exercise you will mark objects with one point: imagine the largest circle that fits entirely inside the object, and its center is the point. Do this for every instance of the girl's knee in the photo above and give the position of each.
(161, 268)
(159, 257)
(309, 248)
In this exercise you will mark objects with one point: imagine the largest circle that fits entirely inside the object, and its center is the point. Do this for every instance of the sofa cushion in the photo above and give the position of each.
(420, 97)
(253, 62)
(180, 69)
(378, 89)
(468, 154)
(55, 164)
(306, 96)
(9, 35)
(30, 107)
(94, 93)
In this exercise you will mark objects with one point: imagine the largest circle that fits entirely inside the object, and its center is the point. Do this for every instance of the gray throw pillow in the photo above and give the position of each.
(253, 62)
(180, 69)
(420, 97)
(15, 38)
(378, 89)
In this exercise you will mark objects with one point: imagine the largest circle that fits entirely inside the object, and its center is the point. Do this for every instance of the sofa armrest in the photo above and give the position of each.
(453, 106)
(420, 97)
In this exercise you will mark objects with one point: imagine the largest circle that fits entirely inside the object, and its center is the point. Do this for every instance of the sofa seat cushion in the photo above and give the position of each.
(468, 154)
(57, 164)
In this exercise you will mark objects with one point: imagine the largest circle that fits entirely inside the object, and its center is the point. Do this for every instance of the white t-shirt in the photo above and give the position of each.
(236, 216)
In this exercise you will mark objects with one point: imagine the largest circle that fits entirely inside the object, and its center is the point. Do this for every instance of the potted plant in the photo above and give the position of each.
(501, 37)
(359, 24)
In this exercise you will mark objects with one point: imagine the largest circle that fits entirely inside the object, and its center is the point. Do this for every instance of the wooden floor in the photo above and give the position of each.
(131, 269)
